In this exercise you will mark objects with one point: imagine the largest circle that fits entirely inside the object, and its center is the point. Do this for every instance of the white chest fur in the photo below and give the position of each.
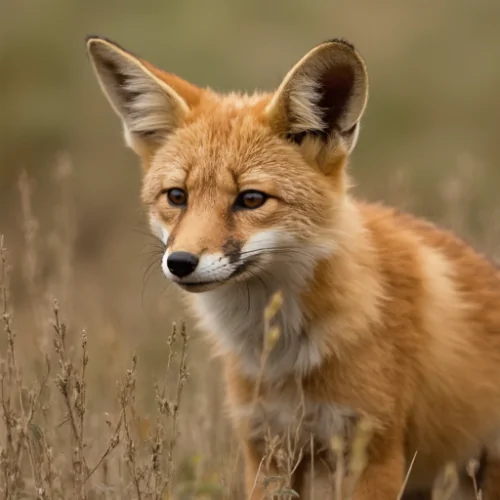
(234, 314)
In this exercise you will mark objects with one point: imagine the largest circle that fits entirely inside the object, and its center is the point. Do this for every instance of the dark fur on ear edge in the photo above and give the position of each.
(343, 41)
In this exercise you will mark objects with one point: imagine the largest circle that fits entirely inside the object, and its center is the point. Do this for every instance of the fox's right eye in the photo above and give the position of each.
(177, 197)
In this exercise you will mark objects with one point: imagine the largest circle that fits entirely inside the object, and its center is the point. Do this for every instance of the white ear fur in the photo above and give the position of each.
(149, 107)
(324, 93)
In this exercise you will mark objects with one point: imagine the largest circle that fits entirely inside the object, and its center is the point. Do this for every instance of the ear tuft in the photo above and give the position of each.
(89, 38)
(324, 94)
(343, 41)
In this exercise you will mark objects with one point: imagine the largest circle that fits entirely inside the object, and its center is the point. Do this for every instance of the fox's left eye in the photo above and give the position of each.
(250, 200)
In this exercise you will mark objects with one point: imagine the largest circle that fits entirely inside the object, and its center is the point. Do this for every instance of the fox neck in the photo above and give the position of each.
(234, 313)
(311, 290)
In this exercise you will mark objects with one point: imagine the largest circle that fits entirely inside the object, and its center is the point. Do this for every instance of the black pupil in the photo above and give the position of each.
(253, 199)
(177, 196)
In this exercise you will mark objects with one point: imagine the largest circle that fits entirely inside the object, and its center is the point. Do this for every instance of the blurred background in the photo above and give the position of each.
(69, 189)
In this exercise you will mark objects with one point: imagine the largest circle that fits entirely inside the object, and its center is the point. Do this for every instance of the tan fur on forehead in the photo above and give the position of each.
(229, 105)
(212, 115)
(233, 132)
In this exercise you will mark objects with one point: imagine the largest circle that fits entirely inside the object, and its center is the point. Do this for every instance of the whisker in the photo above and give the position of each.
(248, 297)
(146, 277)
(165, 288)
(154, 244)
(140, 229)
(156, 252)
(276, 249)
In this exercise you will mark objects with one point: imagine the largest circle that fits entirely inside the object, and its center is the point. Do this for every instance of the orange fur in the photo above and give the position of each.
(385, 316)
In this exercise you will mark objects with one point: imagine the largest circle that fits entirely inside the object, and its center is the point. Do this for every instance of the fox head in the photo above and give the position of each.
(238, 186)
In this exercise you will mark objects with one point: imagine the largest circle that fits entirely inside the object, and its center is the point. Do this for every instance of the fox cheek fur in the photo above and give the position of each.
(384, 316)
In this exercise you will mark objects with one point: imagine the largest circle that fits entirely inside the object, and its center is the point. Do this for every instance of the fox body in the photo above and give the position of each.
(384, 319)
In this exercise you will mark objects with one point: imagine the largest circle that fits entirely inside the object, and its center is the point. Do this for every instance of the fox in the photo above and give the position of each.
(382, 320)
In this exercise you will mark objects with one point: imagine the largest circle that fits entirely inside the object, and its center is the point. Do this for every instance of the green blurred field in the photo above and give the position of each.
(430, 143)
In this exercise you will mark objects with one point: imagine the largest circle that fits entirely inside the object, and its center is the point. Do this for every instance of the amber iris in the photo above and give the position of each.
(177, 197)
(250, 200)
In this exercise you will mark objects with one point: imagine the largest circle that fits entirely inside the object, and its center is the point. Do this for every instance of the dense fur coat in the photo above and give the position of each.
(385, 318)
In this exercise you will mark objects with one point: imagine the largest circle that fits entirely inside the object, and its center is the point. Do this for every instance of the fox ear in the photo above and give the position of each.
(325, 93)
(150, 102)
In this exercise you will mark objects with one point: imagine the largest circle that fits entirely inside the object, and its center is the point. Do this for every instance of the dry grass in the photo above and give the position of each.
(46, 449)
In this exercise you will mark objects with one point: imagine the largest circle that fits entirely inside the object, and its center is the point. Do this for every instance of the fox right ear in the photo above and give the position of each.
(150, 102)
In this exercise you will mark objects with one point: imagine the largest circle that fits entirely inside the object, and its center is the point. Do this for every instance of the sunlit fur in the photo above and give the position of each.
(384, 315)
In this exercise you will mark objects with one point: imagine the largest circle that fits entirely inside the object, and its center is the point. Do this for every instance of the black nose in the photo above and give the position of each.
(182, 263)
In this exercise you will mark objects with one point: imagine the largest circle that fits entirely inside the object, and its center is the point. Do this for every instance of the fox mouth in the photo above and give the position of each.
(203, 286)
(199, 286)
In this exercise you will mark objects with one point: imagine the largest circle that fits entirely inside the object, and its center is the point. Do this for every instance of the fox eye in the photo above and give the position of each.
(177, 197)
(250, 200)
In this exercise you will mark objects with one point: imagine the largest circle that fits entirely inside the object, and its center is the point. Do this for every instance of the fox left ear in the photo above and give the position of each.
(323, 95)
(151, 103)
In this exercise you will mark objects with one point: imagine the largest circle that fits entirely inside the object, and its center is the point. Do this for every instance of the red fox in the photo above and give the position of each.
(384, 318)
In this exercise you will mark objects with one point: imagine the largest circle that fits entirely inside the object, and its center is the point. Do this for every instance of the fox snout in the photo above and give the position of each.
(196, 272)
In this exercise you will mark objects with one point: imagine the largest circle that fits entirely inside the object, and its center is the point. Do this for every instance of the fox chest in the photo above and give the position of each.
(296, 423)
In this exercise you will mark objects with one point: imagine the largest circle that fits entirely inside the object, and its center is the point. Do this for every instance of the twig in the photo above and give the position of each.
(407, 477)
(126, 395)
(181, 380)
